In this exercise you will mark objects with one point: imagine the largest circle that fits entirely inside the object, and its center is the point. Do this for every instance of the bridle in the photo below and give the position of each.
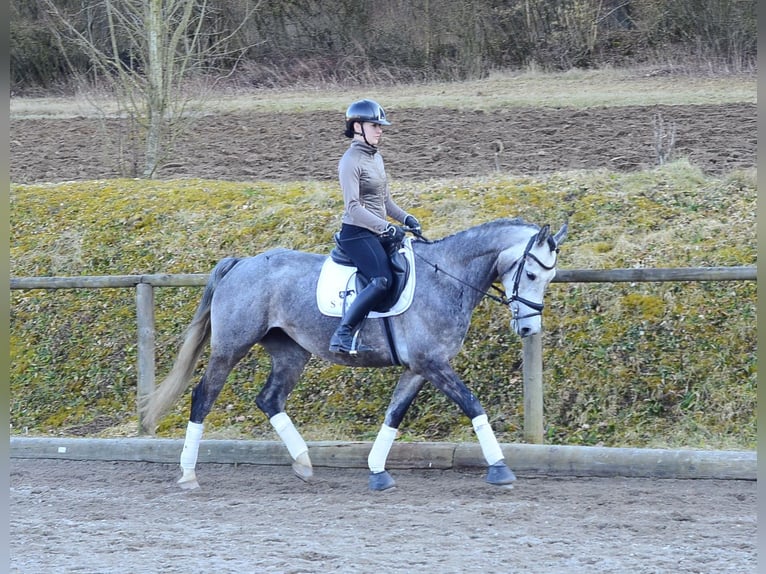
(515, 297)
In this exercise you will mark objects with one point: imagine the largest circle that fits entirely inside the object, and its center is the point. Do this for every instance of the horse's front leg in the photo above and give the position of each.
(446, 380)
(406, 389)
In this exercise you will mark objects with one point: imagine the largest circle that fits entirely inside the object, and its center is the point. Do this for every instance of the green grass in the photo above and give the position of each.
(645, 364)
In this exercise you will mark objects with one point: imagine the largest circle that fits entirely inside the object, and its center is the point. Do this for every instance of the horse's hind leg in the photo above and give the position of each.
(203, 397)
(406, 390)
(288, 359)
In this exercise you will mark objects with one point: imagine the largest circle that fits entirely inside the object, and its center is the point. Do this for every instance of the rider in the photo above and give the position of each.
(365, 234)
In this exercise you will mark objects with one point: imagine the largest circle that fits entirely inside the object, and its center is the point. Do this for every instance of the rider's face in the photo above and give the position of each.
(372, 132)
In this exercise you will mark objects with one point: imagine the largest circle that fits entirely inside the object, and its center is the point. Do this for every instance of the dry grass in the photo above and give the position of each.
(577, 89)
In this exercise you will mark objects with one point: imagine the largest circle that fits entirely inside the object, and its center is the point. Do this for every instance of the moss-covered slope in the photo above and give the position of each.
(644, 364)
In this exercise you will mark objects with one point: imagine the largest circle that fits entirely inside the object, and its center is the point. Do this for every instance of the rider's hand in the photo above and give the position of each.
(414, 225)
(393, 234)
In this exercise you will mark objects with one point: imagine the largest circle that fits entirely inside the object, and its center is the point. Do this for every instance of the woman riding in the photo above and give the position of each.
(365, 234)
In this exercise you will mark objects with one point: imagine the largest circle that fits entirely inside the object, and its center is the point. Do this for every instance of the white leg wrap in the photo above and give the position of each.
(380, 448)
(490, 448)
(294, 442)
(191, 445)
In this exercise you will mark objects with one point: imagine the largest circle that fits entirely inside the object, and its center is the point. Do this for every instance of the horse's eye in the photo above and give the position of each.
(531, 276)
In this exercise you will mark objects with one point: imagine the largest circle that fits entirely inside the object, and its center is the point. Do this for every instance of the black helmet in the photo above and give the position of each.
(364, 111)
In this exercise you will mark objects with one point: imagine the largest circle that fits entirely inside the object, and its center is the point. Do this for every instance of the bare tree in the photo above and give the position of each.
(154, 47)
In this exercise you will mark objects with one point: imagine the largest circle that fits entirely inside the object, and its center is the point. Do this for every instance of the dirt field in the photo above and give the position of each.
(101, 517)
(422, 144)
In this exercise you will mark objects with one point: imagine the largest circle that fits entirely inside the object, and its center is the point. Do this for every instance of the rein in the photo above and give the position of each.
(502, 299)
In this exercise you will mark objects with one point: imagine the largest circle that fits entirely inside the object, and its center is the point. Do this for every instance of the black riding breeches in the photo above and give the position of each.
(366, 251)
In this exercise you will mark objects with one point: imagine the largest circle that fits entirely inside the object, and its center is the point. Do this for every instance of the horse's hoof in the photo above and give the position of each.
(381, 481)
(305, 473)
(188, 480)
(188, 484)
(499, 474)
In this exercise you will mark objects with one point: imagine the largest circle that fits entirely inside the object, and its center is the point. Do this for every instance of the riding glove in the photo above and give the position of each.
(392, 235)
(412, 222)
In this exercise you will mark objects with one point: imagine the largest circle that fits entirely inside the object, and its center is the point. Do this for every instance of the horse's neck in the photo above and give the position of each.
(471, 258)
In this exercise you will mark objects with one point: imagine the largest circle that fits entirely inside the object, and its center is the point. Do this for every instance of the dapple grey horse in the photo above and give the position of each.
(270, 299)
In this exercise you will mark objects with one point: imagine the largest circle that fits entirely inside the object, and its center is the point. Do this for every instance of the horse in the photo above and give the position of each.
(270, 299)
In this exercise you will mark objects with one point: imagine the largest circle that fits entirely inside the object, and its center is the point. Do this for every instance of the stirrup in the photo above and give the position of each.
(357, 346)
(340, 344)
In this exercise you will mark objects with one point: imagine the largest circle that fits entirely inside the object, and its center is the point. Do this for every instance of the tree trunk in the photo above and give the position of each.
(155, 90)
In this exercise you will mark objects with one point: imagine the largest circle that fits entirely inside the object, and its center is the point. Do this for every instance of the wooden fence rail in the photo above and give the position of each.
(531, 346)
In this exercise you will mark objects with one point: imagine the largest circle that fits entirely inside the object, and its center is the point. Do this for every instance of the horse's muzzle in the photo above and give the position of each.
(519, 324)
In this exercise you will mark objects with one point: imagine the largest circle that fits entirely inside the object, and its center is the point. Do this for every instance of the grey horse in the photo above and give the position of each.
(270, 299)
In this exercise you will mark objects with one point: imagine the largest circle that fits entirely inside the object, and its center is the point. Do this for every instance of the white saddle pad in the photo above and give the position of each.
(336, 287)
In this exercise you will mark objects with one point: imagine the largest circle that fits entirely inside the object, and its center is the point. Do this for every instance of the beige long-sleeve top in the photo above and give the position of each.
(366, 194)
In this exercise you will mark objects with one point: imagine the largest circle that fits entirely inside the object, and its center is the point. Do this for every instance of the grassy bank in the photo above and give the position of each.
(670, 364)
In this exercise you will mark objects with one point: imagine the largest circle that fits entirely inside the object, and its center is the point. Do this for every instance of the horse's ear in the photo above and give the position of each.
(543, 234)
(561, 234)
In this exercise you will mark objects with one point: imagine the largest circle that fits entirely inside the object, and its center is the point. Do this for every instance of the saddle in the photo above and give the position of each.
(339, 282)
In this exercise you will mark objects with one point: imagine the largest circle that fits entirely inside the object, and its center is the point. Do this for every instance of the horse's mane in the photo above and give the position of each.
(489, 228)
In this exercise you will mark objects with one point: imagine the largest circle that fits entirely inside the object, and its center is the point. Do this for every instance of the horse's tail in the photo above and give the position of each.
(154, 406)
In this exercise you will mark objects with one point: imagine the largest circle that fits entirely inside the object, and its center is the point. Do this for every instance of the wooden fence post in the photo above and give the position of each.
(145, 324)
(532, 366)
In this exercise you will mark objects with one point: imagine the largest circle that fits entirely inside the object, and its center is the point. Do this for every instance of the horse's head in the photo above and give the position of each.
(526, 275)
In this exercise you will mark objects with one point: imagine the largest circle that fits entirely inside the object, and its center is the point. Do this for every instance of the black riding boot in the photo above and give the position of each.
(342, 340)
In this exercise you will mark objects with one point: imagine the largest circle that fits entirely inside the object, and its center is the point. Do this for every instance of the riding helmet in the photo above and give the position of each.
(364, 111)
